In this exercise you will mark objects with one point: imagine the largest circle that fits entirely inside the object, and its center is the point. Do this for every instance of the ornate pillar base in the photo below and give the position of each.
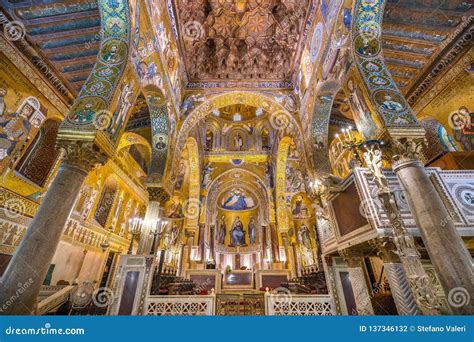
(447, 252)
(31, 260)
(359, 285)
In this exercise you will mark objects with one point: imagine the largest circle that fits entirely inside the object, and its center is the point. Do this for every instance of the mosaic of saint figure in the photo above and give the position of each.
(171, 236)
(390, 104)
(463, 128)
(237, 233)
(14, 128)
(206, 175)
(238, 142)
(252, 230)
(175, 210)
(85, 114)
(304, 237)
(222, 231)
(238, 201)
(299, 208)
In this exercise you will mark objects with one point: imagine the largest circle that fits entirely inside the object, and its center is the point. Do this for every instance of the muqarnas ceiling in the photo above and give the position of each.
(241, 42)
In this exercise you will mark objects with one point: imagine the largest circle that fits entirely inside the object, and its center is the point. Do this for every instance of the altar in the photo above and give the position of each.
(238, 280)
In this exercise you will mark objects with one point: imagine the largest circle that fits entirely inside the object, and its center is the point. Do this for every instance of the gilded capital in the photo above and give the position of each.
(353, 257)
(157, 194)
(386, 249)
(407, 150)
(82, 155)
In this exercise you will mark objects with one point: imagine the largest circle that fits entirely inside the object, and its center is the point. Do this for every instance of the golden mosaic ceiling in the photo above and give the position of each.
(241, 42)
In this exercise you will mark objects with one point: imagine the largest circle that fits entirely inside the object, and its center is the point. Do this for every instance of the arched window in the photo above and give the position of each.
(38, 160)
(106, 201)
(137, 156)
(209, 140)
(266, 140)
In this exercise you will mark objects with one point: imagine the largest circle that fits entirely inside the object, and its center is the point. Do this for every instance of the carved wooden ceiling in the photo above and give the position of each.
(417, 32)
(241, 42)
(64, 32)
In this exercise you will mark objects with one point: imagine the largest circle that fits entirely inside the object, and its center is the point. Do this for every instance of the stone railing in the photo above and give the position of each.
(78, 231)
(180, 305)
(54, 301)
(288, 304)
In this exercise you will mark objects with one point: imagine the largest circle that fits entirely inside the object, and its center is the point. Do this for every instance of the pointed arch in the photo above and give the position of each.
(251, 98)
(320, 125)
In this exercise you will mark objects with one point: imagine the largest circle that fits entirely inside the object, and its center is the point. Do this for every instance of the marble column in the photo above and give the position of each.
(290, 256)
(29, 265)
(361, 292)
(397, 279)
(447, 251)
(156, 196)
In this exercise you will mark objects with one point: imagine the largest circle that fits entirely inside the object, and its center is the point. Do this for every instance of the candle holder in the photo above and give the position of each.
(157, 230)
(135, 229)
(350, 142)
(316, 191)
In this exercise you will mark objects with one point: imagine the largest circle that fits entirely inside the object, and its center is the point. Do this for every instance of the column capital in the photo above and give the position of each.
(353, 257)
(386, 249)
(81, 155)
(407, 151)
(157, 194)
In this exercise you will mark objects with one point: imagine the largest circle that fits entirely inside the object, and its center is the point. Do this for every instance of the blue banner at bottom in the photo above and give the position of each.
(230, 329)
